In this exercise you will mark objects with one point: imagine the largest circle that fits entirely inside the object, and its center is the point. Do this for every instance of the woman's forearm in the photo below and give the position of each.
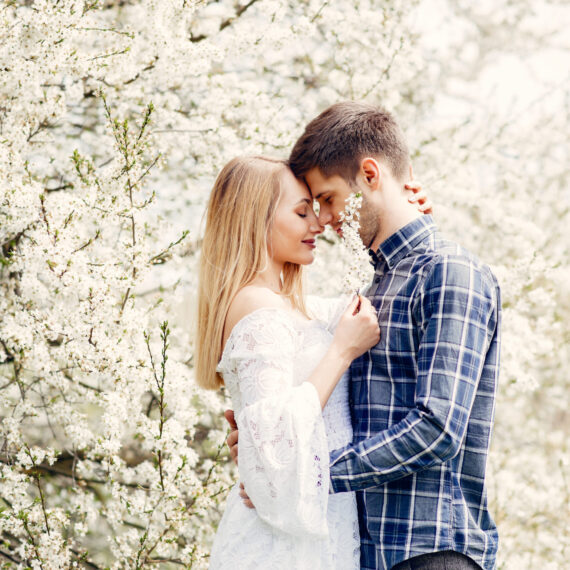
(328, 372)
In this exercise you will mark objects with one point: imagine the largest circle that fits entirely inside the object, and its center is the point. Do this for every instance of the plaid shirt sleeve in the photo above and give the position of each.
(455, 311)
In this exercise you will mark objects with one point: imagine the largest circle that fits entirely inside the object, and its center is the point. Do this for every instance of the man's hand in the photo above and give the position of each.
(232, 443)
(245, 497)
(232, 439)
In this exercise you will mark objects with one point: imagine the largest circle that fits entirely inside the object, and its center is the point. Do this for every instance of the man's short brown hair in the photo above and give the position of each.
(343, 134)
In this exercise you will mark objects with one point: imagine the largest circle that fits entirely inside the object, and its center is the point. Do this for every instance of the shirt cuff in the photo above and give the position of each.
(339, 476)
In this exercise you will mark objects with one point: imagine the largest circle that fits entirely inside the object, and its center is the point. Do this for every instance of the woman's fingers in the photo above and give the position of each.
(368, 309)
(414, 185)
(426, 207)
(354, 305)
(365, 303)
(419, 197)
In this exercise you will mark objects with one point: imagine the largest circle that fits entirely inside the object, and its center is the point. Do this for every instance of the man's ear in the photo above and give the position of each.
(371, 172)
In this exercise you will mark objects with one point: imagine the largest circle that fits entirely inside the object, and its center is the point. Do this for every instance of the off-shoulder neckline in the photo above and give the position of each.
(291, 312)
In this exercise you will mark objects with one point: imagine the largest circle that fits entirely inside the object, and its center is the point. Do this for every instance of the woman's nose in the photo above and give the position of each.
(317, 227)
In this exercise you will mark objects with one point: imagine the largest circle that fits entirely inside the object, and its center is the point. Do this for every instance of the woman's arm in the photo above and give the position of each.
(357, 331)
(283, 446)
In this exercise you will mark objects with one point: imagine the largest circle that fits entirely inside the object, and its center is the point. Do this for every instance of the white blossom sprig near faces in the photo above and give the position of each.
(359, 271)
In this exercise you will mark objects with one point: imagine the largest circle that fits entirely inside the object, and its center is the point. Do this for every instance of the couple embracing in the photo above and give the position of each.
(363, 424)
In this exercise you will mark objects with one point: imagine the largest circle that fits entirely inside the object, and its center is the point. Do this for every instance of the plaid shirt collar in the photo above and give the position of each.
(400, 243)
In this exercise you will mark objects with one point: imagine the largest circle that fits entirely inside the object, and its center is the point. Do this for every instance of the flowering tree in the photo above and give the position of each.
(114, 118)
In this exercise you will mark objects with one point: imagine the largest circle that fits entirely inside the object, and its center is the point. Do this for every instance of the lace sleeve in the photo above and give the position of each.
(283, 454)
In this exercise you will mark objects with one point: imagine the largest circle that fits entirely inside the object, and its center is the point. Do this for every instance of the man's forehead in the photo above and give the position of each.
(331, 186)
(319, 184)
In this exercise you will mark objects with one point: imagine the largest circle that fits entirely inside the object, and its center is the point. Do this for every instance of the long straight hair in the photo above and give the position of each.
(235, 250)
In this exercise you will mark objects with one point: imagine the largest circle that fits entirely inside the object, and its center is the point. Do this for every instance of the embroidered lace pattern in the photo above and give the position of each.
(284, 448)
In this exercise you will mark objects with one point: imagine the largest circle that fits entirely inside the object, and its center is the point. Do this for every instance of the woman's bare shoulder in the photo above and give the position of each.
(248, 299)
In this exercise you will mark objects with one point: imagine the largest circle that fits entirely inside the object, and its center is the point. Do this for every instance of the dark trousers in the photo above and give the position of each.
(447, 560)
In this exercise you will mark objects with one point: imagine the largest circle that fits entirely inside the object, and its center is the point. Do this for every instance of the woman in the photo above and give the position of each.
(282, 368)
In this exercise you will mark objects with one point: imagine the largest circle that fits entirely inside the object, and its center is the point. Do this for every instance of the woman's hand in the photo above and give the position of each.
(358, 329)
(419, 197)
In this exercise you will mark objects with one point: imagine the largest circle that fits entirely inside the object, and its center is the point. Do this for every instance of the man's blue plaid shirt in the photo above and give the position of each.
(423, 404)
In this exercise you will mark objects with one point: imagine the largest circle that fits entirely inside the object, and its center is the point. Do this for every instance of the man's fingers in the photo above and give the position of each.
(234, 453)
(232, 438)
(229, 415)
(245, 497)
(231, 442)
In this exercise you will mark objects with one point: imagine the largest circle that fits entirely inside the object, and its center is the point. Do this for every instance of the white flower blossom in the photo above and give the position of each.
(359, 272)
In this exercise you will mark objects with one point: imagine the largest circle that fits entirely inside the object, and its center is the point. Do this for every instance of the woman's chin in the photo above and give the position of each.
(307, 260)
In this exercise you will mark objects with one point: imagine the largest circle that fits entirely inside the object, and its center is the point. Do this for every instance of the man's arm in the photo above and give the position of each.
(457, 313)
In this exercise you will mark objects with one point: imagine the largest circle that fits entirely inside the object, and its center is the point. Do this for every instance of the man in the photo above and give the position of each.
(423, 399)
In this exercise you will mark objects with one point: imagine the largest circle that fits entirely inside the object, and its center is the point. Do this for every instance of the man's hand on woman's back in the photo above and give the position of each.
(232, 439)
(232, 443)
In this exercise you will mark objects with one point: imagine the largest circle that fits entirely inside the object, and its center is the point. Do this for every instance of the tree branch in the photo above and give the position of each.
(227, 22)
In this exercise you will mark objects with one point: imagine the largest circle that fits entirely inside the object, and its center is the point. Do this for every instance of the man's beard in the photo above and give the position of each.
(369, 225)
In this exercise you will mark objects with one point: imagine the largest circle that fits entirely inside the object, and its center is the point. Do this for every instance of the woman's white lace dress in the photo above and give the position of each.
(284, 443)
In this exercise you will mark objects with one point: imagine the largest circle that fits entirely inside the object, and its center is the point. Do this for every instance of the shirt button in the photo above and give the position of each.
(377, 280)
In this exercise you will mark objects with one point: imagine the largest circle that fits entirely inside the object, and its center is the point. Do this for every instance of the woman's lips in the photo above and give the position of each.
(309, 242)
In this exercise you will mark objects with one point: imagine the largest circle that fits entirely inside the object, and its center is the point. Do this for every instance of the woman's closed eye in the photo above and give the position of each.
(304, 211)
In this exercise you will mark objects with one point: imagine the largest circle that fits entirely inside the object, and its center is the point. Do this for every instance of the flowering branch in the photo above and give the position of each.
(164, 333)
(241, 9)
(358, 273)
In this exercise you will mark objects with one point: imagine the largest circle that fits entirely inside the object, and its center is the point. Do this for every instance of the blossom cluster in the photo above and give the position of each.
(359, 271)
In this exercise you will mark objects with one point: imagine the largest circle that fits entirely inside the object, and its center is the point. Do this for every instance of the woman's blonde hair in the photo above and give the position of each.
(234, 250)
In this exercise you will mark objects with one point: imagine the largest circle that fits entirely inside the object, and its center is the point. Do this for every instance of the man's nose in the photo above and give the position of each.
(325, 217)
